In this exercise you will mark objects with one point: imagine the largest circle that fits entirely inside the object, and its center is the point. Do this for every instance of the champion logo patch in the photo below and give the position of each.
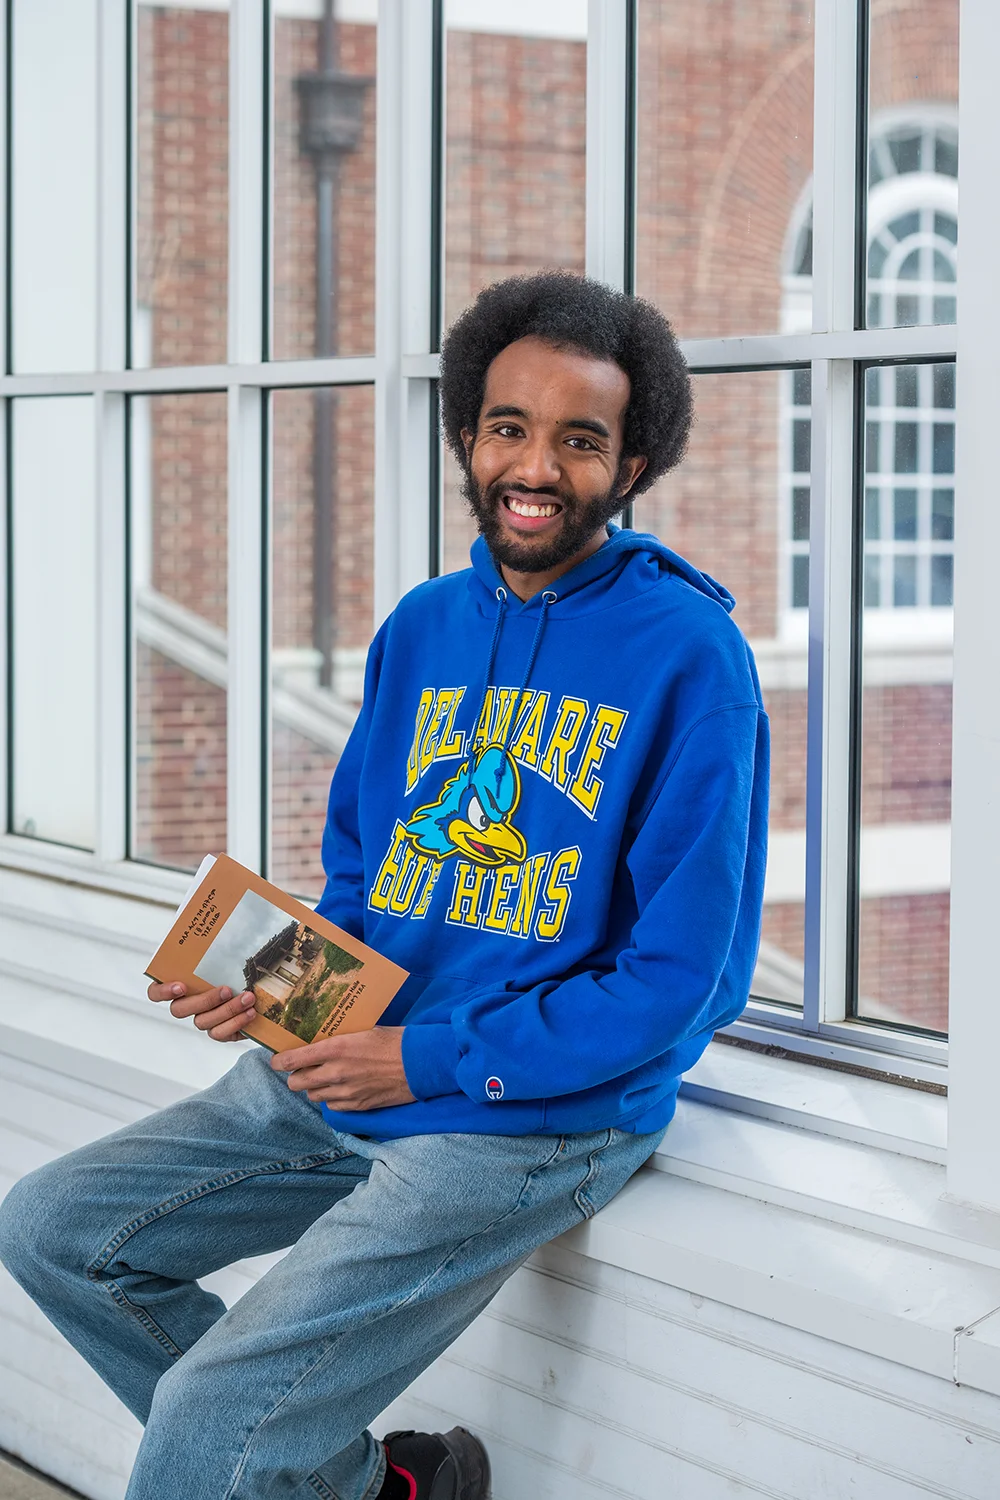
(494, 1088)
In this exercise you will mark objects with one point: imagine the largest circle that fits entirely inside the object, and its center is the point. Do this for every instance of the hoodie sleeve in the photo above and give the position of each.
(697, 868)
(343, 899)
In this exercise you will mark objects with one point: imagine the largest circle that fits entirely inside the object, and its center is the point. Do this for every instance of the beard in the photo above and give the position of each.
(581, 520)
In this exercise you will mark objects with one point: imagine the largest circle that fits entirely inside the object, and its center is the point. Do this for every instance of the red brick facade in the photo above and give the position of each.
(725, 148)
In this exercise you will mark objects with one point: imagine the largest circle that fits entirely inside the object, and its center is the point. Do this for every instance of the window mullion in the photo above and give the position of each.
(246, 716)
(113, 656)
(5, 643)
(974, 1103)
(109, 417)
(836, 112)
(828, 773)
(402, 297)
(608, 199)
(835, 217)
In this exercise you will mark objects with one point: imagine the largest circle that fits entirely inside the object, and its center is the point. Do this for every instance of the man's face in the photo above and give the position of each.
(545, 473)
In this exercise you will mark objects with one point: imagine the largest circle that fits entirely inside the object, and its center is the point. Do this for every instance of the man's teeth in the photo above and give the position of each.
(522, 508)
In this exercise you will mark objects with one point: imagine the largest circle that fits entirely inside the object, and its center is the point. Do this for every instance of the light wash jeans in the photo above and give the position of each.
(396, 1246)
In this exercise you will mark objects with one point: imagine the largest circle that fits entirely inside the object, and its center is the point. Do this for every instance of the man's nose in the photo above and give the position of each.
(537, 463)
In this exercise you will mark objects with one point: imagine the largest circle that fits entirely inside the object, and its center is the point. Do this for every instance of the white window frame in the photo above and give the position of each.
(402, 370)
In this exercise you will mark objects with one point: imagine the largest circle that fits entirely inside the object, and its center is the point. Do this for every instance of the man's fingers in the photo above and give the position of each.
(166, 991)
(240, 1006)
(310, 1056)
(329, 1075)
(206, 1000)
(229, 1031)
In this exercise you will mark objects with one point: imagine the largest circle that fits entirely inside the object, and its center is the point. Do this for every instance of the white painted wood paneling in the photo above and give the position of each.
(781, 1309)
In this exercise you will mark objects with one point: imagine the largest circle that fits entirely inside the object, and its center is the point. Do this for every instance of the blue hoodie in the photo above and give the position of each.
(554, 815)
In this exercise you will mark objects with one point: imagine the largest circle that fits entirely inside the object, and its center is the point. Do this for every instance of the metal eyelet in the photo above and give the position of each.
(501, 593)
(549, 596)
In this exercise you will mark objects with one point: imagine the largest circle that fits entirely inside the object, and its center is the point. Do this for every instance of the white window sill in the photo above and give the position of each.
(869, 1111)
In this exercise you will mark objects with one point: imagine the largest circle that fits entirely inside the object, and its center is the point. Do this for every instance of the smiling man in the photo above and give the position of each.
(552, 812)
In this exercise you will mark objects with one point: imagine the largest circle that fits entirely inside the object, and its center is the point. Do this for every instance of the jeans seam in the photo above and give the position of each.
(318, 1483)
(191, 1195)
(470, 1238)
(142, 1316)
(581, 1196)
(325, 1352)
(202, 1190)
(372, 1489)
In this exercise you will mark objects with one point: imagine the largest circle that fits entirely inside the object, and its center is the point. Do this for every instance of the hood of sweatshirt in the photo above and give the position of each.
(629, 563)
(552, 813)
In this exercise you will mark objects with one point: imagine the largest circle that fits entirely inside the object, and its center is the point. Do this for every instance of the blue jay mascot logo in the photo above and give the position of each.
(473, 814)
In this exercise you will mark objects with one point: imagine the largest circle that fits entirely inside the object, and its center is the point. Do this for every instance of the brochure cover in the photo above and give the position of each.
(309, 978)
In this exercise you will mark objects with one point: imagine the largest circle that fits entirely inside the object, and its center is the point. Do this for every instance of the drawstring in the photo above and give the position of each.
(549, 597)
(491, 658)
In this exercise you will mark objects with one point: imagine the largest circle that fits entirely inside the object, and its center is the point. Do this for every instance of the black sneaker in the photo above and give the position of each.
(435, 1466)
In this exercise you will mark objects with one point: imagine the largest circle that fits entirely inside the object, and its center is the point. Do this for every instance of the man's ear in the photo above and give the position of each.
(468, 438)
(630, 470)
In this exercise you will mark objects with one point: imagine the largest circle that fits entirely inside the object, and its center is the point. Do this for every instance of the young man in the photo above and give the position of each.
(552, 812)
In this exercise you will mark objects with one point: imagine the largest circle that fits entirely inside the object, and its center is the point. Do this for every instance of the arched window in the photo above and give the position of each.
(910, 410)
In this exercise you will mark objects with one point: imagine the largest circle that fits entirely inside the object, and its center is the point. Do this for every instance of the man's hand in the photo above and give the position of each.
(219, 1012)
(361, 1071)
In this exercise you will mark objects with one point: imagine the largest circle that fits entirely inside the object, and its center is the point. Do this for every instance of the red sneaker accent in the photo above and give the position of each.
(404, 1474)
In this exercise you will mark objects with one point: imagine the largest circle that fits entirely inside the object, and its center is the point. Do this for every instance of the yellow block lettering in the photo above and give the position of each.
(506, 698)
(464, 909)
(404, 887)
(497, 918)
(452, 741)
(557, 895)
(566, 730)
(481, 736)
(420, 910)
(605, 729)
(429, 743)
(529, 732)
(531, 876)
(378, 898)
(413, 760)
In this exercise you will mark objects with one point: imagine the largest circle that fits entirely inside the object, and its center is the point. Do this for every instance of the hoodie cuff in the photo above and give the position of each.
(431, 1057)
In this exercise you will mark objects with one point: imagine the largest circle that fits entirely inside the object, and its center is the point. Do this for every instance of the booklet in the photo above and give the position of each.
(309, 978)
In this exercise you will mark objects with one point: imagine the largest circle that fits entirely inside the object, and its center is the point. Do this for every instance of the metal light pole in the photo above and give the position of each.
(331, 105)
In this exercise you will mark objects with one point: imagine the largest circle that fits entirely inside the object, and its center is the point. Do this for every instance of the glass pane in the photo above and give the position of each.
(913, 165)
(324, 181)
(178, 500)
(54, 185)
(515, 148)
(725, 158)
(458, 528)
(53, 649)
(756, 541)
(182, 184)
(906, 706)
(323, 611)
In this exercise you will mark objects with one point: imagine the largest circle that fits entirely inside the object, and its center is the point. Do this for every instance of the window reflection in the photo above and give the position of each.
(179, 528)
(182, 184)
(53, 617)
(53, 160)
(906, 666)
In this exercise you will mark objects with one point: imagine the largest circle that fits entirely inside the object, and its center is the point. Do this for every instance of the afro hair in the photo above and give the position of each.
(574, 312)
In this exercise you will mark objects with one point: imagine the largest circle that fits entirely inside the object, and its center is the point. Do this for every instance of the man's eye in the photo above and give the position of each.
(476, 816)
(584, 442)
(507, 431)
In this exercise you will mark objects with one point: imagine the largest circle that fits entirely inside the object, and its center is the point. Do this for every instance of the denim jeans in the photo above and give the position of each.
(396, 1246)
